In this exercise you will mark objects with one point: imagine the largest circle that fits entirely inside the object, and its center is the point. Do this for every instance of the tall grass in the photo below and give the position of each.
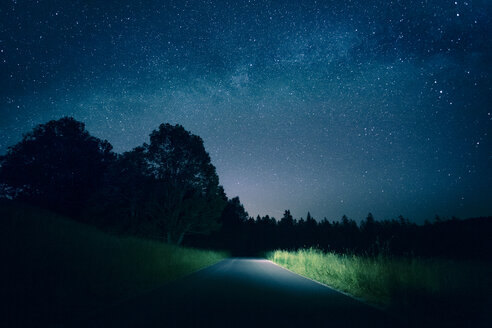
(417, 289)
(54, 267)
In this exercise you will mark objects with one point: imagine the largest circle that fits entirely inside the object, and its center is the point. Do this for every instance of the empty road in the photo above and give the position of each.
(242, 293)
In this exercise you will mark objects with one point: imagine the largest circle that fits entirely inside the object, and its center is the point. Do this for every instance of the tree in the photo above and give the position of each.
(183, 195)
(310, 222)
(369, 224)
(234, 214)
(119, 206)
(287, 220)
(58, 165)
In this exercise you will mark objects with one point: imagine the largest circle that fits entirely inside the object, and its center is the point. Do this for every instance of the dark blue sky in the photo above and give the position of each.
(336, 107)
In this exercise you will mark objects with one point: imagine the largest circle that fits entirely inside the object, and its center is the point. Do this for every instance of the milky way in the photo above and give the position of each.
(333, 107)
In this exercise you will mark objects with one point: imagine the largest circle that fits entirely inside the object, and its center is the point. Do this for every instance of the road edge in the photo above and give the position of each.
(142, 292)
(379, 308)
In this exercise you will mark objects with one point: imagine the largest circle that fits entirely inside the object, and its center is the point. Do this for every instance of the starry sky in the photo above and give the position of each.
(333, 107)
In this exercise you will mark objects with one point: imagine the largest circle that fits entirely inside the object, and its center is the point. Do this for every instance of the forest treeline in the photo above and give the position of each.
(169, 190)
(447, 238)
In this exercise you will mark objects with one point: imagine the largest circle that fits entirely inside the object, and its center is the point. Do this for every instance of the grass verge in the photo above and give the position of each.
(423, 292)
(55, 268)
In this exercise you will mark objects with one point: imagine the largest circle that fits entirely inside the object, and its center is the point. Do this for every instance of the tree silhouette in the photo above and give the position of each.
(183, 196)
(120, 205)
(233, 234)
(234, 214)
(287, 220)
(58, 165)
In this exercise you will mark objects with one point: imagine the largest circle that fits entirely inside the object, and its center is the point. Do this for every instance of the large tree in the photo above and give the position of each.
(58, 165)
(120, 205)
(183, 195)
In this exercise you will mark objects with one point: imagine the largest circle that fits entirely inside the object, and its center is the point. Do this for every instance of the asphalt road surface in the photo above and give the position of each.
(242, 293)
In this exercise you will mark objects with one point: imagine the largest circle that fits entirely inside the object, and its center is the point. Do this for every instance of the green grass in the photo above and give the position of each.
(418, 290)
(57, 268)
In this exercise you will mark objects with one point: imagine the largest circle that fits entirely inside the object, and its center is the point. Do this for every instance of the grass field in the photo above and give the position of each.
(421, 291)
(54, 268)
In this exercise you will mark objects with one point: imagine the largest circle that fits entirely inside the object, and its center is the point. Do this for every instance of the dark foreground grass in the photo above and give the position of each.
(423, 292)
(54, 269)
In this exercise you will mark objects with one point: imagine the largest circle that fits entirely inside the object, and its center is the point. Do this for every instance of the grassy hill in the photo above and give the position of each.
(55, 269)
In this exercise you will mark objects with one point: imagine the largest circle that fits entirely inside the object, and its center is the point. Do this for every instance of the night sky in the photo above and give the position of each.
(336, 107)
